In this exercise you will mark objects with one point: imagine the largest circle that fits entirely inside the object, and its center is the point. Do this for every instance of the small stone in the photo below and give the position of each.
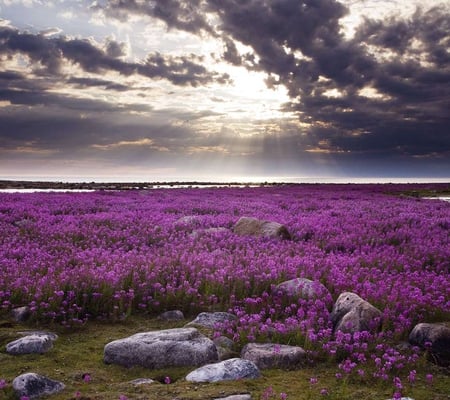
(228, 370)
(21, 314)
(142, 381)
(224, 347)
(270, 355)
(34, 386)
(403, 398)
(303, 288)
(211, 319)
(30, 344)
(437, 335)
(172, 315)
(256, 227)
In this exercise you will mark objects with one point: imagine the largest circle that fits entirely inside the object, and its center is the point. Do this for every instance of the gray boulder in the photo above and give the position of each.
(245, 396)
(270, 355)
(303, 288)
(257, 227)
(434, 336)
(51, 335)
(160, 349)
(353, 314)
(224, 347)
(172, 315)
(32, 343)
(211, 319)
(21, 314)
(228, 370)
(34, 386)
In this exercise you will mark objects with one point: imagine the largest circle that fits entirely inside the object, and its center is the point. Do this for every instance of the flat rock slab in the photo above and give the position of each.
(270, 355)
(353, 314)
(51, 335)
(212, 319)
(228, 370)
(33, 386)
(30, 344)
(438, 337)
(303, 288)
(178, 347)
(245, 396)
(248, 226)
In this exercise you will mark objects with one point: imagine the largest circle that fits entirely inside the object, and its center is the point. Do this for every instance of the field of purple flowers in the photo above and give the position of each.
(106, 255)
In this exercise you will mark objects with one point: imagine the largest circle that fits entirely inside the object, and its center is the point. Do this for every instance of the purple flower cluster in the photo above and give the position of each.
(74, 257)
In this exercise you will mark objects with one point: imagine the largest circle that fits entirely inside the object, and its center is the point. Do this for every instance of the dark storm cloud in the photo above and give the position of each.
(81, 83)
(409, 115)
(48, 55)
(184, 15)
(300, 44)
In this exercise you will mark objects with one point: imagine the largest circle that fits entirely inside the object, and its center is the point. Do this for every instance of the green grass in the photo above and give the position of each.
(80, 352)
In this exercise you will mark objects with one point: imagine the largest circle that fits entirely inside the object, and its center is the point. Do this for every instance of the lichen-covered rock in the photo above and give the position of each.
(256, 227)
(212, 319)
(224, 347)
(353, 314)
(33, 386)
(271, 355)
(172, 315)
(160, 349)
(303, 288)
(30, 344)
(435, 337)
(228, 370)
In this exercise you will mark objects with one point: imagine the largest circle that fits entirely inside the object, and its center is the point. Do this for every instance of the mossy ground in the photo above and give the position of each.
(81, 352)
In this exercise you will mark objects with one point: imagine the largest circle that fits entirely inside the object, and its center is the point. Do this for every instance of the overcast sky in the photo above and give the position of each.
(219, 89)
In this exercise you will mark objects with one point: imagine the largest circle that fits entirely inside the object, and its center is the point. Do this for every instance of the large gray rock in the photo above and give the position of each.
(245, 396)
(434, 336)
(270, 355)
(160, 349)
(34, 386)
(228, 370)
(353, 314)
(257, 227)
(51, 335)
(303, 288)
(32, 343)
(211, 319)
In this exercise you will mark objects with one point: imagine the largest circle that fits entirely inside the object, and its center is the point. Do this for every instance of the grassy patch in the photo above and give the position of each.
(78, 353)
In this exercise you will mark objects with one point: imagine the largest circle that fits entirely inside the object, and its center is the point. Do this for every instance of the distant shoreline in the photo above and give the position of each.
(60, 185)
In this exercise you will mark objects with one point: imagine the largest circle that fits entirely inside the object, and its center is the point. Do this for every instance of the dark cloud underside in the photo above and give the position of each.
(381, 94)
(300, 44)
